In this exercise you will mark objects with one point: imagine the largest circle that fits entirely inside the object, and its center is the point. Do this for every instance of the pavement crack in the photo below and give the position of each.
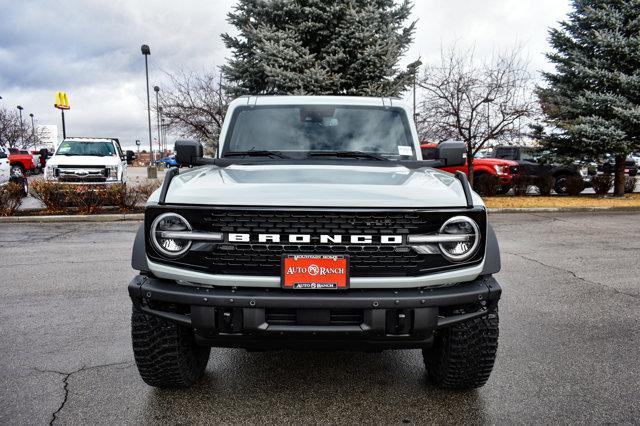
(65, 381)
(573, 274)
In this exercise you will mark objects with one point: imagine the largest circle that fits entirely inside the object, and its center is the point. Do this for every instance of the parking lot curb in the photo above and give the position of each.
(564, 209)
(74, 218)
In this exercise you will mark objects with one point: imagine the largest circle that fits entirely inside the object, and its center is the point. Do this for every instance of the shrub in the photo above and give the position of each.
(521, 184)
(136, 195)
(91, 199)
(51, 194)
(544, 184)
(487, 185)
(602, 183)
(575, 185)
(630, 184)
(10, 198)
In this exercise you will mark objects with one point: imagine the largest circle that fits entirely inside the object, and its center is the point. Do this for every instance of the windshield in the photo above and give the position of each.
(95, 149)
(321, 129)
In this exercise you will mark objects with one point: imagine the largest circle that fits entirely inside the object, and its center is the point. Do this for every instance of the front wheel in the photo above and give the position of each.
(561, 186)
(166, 353)
(463, 354)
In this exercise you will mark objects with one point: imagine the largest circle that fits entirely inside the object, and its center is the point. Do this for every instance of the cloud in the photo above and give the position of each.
(91, 49)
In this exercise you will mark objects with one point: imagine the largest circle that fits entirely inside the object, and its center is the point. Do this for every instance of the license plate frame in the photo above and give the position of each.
(329, 280)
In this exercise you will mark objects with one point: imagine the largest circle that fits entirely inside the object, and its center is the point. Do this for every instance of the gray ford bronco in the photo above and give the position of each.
(317, 225)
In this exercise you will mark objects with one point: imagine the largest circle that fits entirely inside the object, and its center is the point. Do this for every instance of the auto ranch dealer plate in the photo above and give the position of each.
(315, 272)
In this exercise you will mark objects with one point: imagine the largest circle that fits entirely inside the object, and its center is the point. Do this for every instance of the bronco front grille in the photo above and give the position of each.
(366, 260)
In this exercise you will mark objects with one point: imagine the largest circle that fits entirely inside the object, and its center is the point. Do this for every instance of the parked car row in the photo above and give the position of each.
(507, 161)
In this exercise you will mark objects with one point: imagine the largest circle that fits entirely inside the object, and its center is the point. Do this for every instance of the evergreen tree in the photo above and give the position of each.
(319, 47)
(593, 97)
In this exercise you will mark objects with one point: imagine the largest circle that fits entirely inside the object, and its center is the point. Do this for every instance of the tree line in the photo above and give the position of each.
(587, 107)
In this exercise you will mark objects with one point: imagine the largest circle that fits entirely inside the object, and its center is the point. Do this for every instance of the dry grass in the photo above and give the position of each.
(581, 201)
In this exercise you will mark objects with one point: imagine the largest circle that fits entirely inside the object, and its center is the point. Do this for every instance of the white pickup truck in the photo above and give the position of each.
(87, 161)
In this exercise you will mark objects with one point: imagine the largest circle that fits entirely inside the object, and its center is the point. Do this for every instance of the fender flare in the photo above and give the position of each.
(492, 264)
(139, 253)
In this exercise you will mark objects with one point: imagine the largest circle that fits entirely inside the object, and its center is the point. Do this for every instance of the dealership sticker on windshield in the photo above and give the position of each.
(315, 272)
(405, 150)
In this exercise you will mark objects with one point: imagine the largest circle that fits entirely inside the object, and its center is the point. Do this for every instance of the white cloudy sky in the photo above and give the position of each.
(91, 49)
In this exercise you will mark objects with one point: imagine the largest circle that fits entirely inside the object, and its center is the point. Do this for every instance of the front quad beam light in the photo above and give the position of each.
(458, 239)
(191, 235)
(439, 238)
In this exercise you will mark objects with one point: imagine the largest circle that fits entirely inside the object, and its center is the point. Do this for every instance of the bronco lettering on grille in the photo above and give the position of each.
(323, 239)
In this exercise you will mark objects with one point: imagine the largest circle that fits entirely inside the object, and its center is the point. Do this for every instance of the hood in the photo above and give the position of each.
(495, 161)
(82, 160)
(316, 186)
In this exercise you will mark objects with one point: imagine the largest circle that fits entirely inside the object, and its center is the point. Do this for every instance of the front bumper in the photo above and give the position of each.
(258, 318)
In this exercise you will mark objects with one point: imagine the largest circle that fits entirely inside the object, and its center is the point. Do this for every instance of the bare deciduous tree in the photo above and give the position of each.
(14, 136)
(194, 105)
(9, 128)
(475, 102)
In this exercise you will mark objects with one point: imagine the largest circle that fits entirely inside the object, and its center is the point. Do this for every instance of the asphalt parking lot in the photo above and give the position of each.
(569, 344)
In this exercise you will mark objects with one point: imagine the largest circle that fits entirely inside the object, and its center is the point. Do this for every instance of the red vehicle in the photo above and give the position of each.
(24, 162)
(504, 169)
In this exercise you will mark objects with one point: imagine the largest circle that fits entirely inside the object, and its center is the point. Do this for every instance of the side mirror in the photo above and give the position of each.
(188, 152)
(130, 156)
(452, 153)
(429, 153)
(3, 154)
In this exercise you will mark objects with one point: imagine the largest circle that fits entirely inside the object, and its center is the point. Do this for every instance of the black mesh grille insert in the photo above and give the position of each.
(365, 260)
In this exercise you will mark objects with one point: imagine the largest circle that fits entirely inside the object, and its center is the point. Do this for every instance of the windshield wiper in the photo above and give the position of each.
(348, 154)
(253, 153)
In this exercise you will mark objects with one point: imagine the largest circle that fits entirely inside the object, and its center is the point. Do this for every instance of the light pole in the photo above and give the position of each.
(146, 51)
(33, 129)
(163, 128)
(0, 129)
(21, 135)
(157, 90)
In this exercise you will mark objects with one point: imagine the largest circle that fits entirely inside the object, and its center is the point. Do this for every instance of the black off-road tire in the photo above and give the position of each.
(463, 355)
(561, 184)
(166, 353)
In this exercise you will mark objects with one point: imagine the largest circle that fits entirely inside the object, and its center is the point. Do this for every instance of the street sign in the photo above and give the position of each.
(62, 101)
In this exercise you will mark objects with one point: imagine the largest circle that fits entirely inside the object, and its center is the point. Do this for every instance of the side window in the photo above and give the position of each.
(118, 149)
(504, 153)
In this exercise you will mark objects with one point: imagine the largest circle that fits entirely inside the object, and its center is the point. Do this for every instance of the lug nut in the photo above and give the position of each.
(252, 303)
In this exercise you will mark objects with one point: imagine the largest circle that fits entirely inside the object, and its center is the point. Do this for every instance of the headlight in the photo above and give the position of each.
(501, 170)
(112, 173)
(48, 172)
(168, 222)
(458, 251)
